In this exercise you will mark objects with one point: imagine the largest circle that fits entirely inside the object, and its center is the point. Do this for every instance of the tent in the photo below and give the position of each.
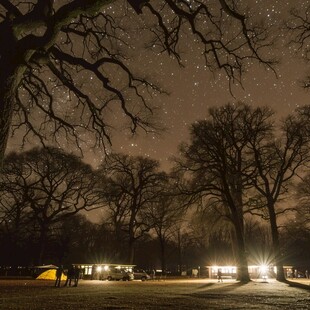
(50, 274)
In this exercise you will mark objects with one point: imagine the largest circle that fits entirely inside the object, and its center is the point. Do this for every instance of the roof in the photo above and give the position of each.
(46, 267)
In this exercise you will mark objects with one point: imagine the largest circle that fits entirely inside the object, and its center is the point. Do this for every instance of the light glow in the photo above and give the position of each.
(263, 269)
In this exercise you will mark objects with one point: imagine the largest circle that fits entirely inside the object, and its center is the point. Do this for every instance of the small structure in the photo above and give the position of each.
(228, 272)
(255, 271)
(101, 271)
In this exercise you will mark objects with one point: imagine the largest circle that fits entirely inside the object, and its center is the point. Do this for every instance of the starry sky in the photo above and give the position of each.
(193, 89)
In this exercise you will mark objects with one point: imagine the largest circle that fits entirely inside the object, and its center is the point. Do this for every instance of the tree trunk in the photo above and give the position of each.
(241, 257)
(180, 260)
(42, 244)
(163, 253)
(11, 70)
(235, 204)
(131, 249)
(242, 262)
(276, 242)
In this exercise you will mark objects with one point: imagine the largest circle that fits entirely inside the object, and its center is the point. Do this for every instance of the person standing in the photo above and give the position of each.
(295, 274)
(59, 272)
(219, 275)
(70, 275)
(76, 275)
(153, 274)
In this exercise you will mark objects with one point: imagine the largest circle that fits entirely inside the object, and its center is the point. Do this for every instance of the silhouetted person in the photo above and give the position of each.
(307, 274)
(219, 275)
(76, 275)
(70, 275)
(94, 272)
(59, 272)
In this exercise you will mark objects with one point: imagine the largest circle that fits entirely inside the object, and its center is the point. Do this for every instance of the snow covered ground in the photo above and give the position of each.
(158, 294)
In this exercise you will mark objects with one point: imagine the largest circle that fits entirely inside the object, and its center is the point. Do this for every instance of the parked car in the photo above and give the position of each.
(119, 274)
(140, 274)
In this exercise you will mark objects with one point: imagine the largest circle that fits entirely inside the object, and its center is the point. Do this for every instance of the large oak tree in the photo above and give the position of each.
(219, 162)
(279, 157)
(51, 51)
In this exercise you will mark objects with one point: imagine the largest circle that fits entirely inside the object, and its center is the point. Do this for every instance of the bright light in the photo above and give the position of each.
(98, 268)
(106, 268)
(263, 269)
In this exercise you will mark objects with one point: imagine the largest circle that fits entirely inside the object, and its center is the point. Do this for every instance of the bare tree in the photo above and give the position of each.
(298, 26)
(73, 239)
(296, 234)
(259, 241)
(303, 201)
(165, 216)
(135, 184)
(15, 225)
(219, 163)
(54, 185)
(211, 234)
(278, 159)
(62, 69)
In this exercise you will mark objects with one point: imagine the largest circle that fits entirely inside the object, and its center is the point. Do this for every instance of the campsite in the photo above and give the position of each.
(47, 272)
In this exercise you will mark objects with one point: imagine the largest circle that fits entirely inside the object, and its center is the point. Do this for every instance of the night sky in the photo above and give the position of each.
(193, 89)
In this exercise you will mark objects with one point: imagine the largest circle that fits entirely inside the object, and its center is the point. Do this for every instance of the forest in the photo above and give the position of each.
(239, 188)
(71, 78)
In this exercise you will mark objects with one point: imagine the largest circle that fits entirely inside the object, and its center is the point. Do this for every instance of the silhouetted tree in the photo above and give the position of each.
(211, 235)
(296, 230)
(13, 222)
(15, 228)
(73, 239)
(54, 185)
(219, 162)
(296, 236)
(165, 217)
(258, 241)
(134, 183)
(298, 25)
(52, 54)
(279, 156)
(303, 200)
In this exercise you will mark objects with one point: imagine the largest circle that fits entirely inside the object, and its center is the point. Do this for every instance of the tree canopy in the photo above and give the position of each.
(52, 51)
(42, 187)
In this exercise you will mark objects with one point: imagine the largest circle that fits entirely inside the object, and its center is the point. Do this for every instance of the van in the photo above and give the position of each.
(119, 274)
(140, 274)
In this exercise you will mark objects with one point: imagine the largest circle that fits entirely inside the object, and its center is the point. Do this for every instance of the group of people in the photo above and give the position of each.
(297, 274)
(73, 276)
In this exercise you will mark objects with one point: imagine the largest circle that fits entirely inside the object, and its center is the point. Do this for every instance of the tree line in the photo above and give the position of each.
(238, 188)
(239, 165)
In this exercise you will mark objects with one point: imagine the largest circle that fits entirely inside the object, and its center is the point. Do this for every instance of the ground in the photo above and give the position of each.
(156, 294)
